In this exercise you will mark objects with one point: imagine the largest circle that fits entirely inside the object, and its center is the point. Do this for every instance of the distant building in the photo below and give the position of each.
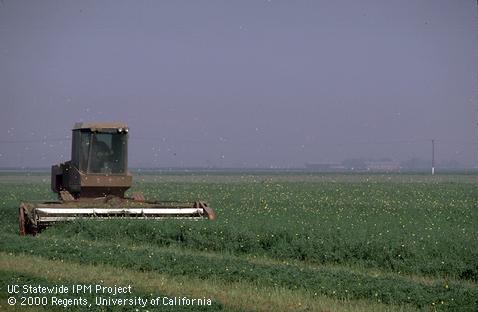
(385, 166)
(416, 164)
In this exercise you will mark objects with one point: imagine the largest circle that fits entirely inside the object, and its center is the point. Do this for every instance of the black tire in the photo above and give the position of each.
(22, 222)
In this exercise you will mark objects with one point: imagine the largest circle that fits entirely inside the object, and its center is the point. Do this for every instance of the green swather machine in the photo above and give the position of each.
(93, 185)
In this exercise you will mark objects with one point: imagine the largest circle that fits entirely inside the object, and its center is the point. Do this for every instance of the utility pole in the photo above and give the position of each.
(433, 156)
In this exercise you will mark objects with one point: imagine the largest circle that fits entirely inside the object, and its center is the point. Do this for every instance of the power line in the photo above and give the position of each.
(433, 156)
(34, 141)
(162, 139)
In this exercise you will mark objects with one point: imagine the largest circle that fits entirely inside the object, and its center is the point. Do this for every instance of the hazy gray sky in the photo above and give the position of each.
(243, 83)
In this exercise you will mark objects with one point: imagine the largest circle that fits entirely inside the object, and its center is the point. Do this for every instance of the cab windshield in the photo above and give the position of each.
(103, 152)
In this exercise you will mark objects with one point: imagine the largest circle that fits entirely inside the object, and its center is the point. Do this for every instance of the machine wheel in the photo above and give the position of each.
(22, 222)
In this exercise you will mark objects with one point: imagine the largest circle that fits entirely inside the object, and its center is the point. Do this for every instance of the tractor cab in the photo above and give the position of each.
(98, 165)
(100, 150)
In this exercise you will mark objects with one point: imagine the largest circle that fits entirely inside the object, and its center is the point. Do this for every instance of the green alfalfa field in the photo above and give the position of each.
(282, 241)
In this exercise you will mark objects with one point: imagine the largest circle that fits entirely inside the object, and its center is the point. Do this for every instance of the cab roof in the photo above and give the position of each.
(98, 126)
